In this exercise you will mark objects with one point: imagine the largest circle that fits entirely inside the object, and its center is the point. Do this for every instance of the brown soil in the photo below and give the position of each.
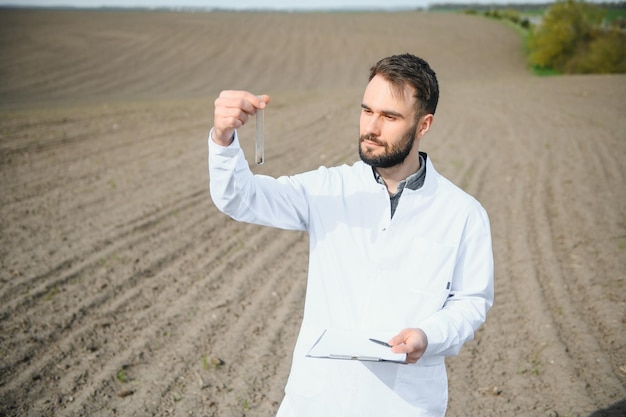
(123, 291)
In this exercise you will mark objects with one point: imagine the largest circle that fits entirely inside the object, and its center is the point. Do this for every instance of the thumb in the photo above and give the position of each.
(263, 101)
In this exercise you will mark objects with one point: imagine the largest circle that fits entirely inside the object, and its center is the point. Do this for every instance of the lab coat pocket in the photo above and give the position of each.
(424, 387)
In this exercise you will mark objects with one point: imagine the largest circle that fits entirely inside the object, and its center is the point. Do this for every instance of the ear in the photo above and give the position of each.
(424, 124)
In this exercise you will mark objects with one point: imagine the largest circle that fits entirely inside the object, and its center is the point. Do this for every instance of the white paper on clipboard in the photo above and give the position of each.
(354, 345)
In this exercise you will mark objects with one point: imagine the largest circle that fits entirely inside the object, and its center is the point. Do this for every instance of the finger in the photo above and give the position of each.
(257, 101)
(230, 117)
(412, 357)
(224, 104)
(225, 122)
(224, 129)
(243, 100)
(399, 339)
(402, 348)
(264, 100)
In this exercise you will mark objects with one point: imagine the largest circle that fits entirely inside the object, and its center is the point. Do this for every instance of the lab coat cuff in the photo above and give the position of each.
(229, 150)
(436, 338)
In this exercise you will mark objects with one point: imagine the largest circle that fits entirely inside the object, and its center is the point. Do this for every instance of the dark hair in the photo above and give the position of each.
(409, 69)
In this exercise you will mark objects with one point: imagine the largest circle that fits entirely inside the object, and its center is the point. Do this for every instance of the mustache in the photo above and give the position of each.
(370, 137)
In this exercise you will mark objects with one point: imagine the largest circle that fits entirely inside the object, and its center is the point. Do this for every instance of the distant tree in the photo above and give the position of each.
(565, 26)
(605, 54)
(566, 30)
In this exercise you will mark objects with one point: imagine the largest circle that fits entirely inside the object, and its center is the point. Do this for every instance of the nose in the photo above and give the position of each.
(371, 124)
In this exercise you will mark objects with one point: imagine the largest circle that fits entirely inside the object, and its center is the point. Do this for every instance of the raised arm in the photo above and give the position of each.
(235, 190)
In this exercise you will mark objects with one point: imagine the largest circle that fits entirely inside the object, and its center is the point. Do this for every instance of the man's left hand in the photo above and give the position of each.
(413, 342)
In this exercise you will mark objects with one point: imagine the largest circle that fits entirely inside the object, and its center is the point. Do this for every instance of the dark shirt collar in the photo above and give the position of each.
(413, 181)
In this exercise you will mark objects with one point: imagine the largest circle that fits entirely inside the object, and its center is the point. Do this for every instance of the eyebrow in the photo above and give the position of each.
(384, 112)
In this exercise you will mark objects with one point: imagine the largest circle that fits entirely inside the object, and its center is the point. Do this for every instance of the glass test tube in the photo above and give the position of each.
(259, 154)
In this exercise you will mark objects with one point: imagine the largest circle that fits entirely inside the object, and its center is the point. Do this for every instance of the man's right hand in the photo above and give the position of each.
(232, 110)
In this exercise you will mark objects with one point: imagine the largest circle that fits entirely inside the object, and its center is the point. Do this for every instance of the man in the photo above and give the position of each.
(394, 247)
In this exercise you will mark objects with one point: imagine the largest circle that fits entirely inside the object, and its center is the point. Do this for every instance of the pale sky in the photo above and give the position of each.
(252, 4)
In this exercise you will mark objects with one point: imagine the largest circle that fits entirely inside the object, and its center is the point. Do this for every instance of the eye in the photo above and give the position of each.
(367, 111)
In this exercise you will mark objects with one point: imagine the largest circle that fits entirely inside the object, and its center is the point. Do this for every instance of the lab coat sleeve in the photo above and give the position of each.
(236, 191)
(471, 294)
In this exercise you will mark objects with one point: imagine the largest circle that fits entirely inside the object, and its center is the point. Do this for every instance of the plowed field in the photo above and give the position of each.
(123, 291)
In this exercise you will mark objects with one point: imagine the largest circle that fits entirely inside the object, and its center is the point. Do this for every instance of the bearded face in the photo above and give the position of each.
(386, 154)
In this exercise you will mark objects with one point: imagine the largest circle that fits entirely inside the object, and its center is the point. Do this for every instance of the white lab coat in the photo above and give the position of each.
(431, 267)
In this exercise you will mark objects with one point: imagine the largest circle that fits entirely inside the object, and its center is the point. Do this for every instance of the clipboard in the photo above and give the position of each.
(354, 345)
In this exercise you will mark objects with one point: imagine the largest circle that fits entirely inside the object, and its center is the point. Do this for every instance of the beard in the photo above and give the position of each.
(393, 155)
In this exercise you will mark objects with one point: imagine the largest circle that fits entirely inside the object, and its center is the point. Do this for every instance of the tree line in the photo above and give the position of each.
(570, 36)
